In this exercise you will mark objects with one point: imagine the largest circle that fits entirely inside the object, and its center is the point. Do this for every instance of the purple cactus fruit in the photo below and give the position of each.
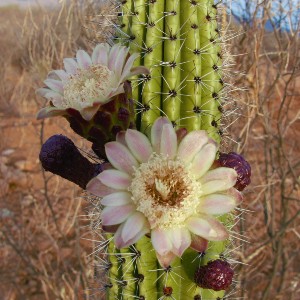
(60, 156)
(216, 275)
(240, 165)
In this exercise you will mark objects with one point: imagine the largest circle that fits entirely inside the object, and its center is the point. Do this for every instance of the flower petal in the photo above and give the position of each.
(138, 144)
(100, 54)
(168, 144)
(156, 132)
(128, 66)
(113, 56)
(136, 71)
(119, 241)
(219, 179)
(161, 241)
(55, 97)
(191, 144)
(97, 188)
(207, 227)
(120, 61)
(47, 112)
(133, 225)
(120, 138)
(88, 113)
(238, 196)
(110, 228)
(55, 85)
(203, 160)
(70, 65)
(216, 204)
(112, 215)
(120, 157)
(198, 243)
(166, 259)
(115, 179)
(83, 59)
(181, 240)
(116, 199)
(42, 91)
(60, 74)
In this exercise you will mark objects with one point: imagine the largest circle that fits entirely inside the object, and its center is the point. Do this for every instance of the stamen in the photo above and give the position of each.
(87, 85)
(165, 192)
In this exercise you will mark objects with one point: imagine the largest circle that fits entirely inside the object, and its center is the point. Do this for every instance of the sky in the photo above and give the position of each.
(25, 3)
(285, 13)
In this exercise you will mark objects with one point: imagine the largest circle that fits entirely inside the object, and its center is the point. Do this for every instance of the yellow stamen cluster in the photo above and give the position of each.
(88, 85)
(165, 192)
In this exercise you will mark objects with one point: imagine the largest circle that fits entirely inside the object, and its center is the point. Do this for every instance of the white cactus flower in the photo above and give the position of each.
(89, 81)
(166, 189)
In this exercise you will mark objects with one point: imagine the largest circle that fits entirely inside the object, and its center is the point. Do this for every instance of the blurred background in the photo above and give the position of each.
(46, 247)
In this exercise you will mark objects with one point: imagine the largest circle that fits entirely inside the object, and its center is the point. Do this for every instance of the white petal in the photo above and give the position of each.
(88, 113)
(55, 85)
(113, 56)
(117, 199)
(138, 144)
(100, 54)
(70, 65)
(119, 241)
(42, 91)
(137, 70)
(181, 240)
(114, 92)
(133, 225)
(112, 215)
(120, 157)
(60, 74)
(168, 144)
(115, 179)
(207, 227)
(83, 59)
(161, 241)
(166, 259)
(120, 61)
(204, 160)
(97, 188)
(191, 144)
(238, 196)
(120, 138)
(216, 204)
(55, 97)
(219, 179)
(48, 112)
(128, 66)
(156, 132)
(198, 243)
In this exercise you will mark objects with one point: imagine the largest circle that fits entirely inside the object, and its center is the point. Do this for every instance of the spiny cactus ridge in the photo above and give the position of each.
(180, 42)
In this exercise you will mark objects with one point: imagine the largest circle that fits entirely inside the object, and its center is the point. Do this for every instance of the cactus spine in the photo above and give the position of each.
(179, 42)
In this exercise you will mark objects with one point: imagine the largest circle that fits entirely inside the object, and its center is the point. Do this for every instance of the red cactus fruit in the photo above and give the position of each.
(216, 275)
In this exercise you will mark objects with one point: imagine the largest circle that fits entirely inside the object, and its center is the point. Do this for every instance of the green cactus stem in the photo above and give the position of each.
(179, 41)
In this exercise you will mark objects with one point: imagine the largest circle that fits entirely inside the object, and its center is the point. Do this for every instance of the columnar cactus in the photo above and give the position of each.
(179, 42)
(162, 185)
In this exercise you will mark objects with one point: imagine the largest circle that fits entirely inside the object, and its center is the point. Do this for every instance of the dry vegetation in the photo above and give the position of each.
(45, 254)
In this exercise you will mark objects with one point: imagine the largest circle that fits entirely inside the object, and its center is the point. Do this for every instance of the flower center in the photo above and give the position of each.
(165, 191)
(88, 85)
